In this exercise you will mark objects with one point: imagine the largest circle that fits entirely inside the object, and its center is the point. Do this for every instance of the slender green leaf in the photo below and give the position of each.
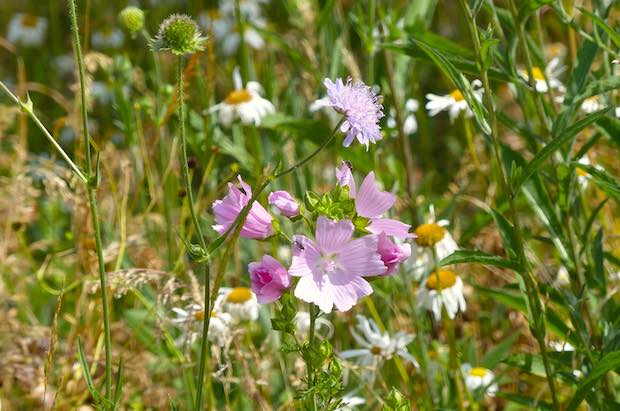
(472, 256)
(86, 371)
(606, 182)
(608, 363)
(613, 35)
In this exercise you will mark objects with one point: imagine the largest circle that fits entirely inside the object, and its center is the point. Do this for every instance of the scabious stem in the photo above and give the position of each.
(91, 185)
(532, 293)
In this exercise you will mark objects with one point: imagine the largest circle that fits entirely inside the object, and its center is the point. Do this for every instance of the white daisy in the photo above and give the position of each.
(239, 302)
(442, 289)
(410, 125)
(246, 104)
(377, 347)
(27, 30)
(591, 104)
(553, 71)
(562, 279)
(190, 320)
(107, 39)
(64, 63)
(454, 102)
(477, 378)
(430, 234)
(561, 346)
(321, 325)
(350, 402)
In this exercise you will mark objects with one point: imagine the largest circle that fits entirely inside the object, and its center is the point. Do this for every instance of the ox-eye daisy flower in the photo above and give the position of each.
(431, 234)
(350, 402)
(592, 104)
(258, 222)
(410, 123)
(190, 320)
(331, 268)
(552, 72)
(27, 30)
(239, 302)
(372, 203)
(243, 103)
(360, 106)
(322, 326)
(479, 378)
(442, 288)
(454, 103)
(377, 346)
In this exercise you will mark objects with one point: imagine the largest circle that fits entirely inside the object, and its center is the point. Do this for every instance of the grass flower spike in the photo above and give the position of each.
(331, 268)
(360, 106)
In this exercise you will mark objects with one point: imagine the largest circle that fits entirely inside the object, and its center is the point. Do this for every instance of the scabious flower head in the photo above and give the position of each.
(454, 102)
(284, 202)
(178, 34)
(27, 30)
(360, 106)
(269, 279)
(392, 254)
(243, 103)
(477, 378)
(257, 225)
(372, 203)
(331, 268)
(131, 19)
(442, 288)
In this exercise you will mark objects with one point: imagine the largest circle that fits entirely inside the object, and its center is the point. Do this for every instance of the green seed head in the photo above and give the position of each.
(178, 34)
(131, 19)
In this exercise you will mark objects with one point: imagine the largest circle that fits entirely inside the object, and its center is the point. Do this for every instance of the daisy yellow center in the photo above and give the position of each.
(239, 295)
(237, 97)
(538, 74)
(429, 234)
(199, 315)
(442, 280)
(214, 14)
(581, 172)
(457, 95)
(375, 350)
(478, 372)
(29, 20)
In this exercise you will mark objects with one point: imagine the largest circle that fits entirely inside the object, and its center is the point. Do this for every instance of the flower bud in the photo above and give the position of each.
(131, 19)
(285, 203)
(178, 34)
(269, 278)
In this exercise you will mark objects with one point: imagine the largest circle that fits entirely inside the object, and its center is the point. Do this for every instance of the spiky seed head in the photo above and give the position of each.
(131, 19)
(178, 34)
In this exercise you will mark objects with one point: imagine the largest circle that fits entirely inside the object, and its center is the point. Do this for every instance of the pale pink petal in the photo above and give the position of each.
(346, 294)
(390, 227)
(359, 257)
(370, 202)
(305, 257)
(331, 235)
(312, 291)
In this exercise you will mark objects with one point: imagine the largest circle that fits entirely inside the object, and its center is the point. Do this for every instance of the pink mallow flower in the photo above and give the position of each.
(284, 202)
(269, 278)
(258, 222)
(392, 254)
(331, 268)
(372, 203)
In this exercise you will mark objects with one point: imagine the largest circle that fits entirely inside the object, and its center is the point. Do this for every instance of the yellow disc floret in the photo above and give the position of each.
(478, 372)
(442, 280)
(457, 95)
(239, 295)
(429, 234)
(237, 97)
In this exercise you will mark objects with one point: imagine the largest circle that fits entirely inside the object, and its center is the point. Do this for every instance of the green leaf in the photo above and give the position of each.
(497, 354)
(507, 233)
(596, 87)
(602, 179)
(120, 380)
(608, 363)
(302, 128)
(471, 256)
(613, 35)
(86, 371)
(528, 402)
(540, 158)
(611, 127)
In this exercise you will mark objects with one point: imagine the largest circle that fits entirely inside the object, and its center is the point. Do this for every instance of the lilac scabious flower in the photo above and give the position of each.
(331, 268)
(392, 254)
(269, 278)
(361, 107)
(258, 222)
(285, 203)
(372, 203)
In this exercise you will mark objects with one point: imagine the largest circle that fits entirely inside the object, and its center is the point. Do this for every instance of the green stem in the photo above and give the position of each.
(532, 294)
(91, 187)
(313, 313)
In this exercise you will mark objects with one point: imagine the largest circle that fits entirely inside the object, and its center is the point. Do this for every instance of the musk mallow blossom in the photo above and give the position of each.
(331, 268)
(258, 222)
(269, 278)
(392, 254)
(372, 203)
(360, 106)
(284, 202)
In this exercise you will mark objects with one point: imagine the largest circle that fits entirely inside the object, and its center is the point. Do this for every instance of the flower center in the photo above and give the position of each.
(538, 74)
(581, 172)
(199, 315)
(375, 350)
(478, 372)
(237, 97)
(429, 234)
(28, 20)
(457, 95)
(239, 295)
(445, 279)
(328, 265)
